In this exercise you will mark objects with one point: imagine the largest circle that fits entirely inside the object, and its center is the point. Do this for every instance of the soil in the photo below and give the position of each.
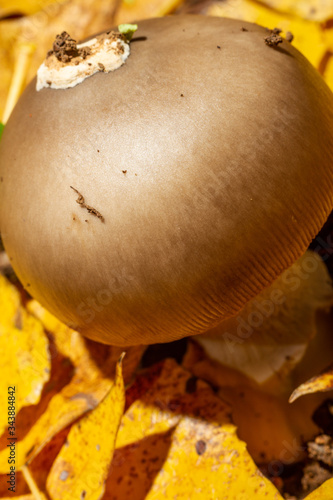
(65, 48)
(273, 40)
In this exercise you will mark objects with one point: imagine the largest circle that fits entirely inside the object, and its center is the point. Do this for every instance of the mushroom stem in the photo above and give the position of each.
(19, 78)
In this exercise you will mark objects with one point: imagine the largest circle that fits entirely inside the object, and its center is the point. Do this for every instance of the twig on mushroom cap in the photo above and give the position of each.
(91, 210)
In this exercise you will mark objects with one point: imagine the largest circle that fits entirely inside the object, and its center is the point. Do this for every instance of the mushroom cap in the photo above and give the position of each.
(208, 153)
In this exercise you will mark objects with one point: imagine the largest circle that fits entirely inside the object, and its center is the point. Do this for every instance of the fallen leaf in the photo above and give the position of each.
(24, 7)
(21, 487)
(324, 492)
(23, 497)
(130, 10)
(63, 409)
(312, 10)
(90, 358)
(264, 412)
(177, 441)
(257, 358)
(320, 383)
(38, 495)
(25, 356)
(93, 365)
(81, 468)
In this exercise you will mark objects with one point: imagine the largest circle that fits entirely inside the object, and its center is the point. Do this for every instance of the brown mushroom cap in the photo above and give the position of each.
(208, 153)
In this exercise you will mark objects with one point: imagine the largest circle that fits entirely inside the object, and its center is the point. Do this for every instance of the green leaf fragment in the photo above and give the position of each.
(128, 30)
(1, 129)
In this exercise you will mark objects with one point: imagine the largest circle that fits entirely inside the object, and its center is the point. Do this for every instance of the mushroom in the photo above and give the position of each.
(208, 155)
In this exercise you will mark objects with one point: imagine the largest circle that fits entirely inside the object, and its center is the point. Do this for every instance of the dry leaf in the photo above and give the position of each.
(24, 497)
(38, 495)
(93, 366)
(89, 358)
(177, 441)
(25, 356)
(252, 408)
(258, 358)
(10, 7)
(130, 10)
(313, 10)
(81, 468)
(324, 492)
(21, 487)
(72, 402)
(320, 383)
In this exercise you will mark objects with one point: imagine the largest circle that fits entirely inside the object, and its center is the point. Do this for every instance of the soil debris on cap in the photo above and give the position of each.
(200, 447)
(65, 48)
(91, 210)
(273, 38)
(289, 36)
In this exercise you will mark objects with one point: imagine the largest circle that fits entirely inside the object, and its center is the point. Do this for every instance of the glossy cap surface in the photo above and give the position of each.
(209, 154)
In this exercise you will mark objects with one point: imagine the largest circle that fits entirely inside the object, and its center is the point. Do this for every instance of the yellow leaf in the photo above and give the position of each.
(130, 10)
(257, 358)
(38, 495)
(8, 7)
(93, 365)
(320, 383)
(313, 10)
(9, 33)
(25, 358)
(26, 497)
(69, 342)
(177, 441)
(324, 492)
(91, 359)
(72, 402)
(81, 468)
